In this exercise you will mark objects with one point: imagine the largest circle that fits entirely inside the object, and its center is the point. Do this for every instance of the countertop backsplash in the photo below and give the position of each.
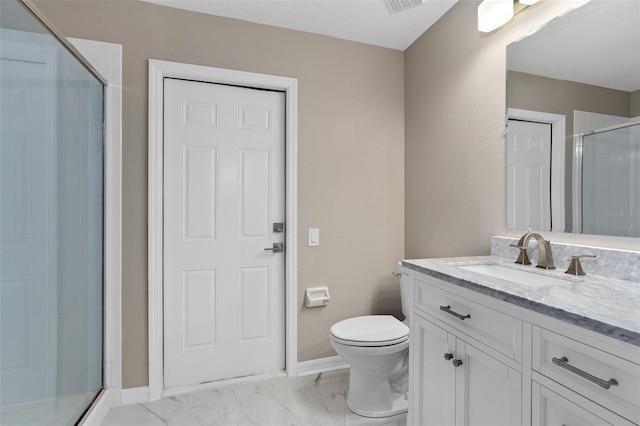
(619, 264)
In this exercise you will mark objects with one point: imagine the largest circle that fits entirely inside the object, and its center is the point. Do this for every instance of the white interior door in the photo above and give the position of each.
(528, 175)
(223, 191)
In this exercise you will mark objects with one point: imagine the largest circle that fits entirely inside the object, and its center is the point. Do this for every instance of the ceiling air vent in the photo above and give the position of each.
(395, 6)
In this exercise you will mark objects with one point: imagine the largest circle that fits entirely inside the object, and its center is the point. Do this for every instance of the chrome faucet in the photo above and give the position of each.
(545, 257)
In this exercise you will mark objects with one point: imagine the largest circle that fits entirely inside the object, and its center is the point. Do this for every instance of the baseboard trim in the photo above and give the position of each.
(321, 365)
(108, 398)
(141, 395)
(135, 395)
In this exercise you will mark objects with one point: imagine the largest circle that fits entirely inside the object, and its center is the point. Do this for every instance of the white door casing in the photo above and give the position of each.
(528, 175)
(158, 71)
(223, 190)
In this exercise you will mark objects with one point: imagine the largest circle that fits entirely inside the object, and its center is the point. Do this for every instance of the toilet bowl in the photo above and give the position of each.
(377, 349)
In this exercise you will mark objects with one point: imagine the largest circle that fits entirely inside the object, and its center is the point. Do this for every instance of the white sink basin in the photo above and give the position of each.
(518, 276)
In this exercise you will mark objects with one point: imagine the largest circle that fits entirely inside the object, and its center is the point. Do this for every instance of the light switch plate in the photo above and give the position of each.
(314, 237)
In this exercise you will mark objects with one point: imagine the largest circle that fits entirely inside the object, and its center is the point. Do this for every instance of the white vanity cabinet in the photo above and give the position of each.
(455, 383)
(477, 360)
(457, 378)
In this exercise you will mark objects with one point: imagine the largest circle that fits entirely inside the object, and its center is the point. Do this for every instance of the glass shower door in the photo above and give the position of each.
(51, 227)
(611, 181)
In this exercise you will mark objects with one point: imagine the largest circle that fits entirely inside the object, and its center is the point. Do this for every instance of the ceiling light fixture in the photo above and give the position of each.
(492, 14)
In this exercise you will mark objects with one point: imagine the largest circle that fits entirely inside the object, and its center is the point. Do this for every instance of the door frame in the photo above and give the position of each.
(158, 70)
(558, 167)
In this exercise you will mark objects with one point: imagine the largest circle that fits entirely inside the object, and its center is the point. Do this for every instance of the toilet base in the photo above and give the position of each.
(371, 394)
(399, 405)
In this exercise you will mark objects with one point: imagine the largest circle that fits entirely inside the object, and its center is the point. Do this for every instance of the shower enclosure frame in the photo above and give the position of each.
(578, 157)
(44, 21)
(110, 394)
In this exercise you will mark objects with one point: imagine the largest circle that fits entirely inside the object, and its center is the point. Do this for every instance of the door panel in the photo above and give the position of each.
(528, 175)
(200, 193)
(487, 391)
(199, 309)
(254, 297)
(436, 405)
(224, 188)
(255, 170)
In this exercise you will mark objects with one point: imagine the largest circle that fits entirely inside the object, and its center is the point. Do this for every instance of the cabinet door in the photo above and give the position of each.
(550, 408)
(433, 377)
(488, 392)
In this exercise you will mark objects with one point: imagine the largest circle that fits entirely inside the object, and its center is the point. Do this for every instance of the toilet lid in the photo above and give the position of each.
(371, 330)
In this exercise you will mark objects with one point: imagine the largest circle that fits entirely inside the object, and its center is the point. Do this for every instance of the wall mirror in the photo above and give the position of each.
(573, 123)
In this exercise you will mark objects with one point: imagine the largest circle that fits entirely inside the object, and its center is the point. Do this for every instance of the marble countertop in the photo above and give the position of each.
(604, 305)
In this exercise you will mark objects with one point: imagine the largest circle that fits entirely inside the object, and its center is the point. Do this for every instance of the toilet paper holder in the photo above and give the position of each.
(316, 296)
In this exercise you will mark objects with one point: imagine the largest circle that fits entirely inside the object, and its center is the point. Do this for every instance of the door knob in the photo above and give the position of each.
(448, 356)
(456, 363)
(277, 248)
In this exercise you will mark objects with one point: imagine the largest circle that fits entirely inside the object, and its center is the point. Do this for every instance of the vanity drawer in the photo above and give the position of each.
(500, 331)
(553, 404)
(589, 372)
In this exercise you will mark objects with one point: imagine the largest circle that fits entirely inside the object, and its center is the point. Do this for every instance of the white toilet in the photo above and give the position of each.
(377, 349)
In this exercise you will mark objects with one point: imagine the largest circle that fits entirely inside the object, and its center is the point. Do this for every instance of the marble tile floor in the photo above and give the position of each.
(316, 400)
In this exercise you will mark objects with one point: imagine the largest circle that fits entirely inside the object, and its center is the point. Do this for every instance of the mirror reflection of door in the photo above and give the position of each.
(528, 175)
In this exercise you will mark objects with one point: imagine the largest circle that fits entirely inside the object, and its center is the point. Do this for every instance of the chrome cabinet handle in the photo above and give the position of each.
(564, 363)
(448, 356)
(448, 310)
(397, 274)
(456, 363)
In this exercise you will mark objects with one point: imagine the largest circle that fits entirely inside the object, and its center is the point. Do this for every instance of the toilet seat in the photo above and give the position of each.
(370, 344)
(370, 330)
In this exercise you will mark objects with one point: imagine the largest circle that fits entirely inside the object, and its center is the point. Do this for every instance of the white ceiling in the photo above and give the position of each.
(595, 44)
(365, 21)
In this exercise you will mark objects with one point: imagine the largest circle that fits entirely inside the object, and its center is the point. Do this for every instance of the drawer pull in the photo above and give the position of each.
(564, 363)
(456, 363)
(448, 356)
(448, 310)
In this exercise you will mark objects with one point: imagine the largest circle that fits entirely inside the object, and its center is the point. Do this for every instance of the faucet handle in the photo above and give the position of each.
(575, 268)
(523, 258)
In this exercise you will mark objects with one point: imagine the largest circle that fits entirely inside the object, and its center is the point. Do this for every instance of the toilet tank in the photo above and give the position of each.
(406, 293)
